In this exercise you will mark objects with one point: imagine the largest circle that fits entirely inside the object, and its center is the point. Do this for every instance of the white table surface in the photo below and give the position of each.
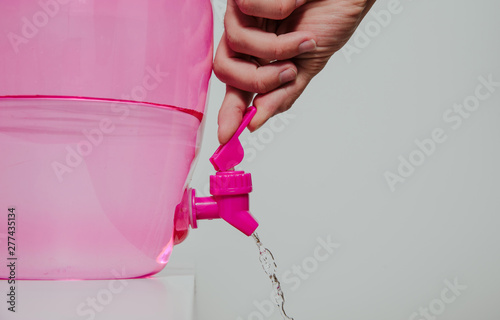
(167, 295)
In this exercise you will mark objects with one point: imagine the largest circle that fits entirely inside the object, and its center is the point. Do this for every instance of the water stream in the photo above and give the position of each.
(269, 265)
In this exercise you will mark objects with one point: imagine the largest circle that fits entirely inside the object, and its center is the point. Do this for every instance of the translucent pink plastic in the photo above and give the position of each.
(159, 51)
(101, 106)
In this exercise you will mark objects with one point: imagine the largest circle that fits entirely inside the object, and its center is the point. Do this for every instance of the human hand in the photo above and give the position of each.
(274, 48)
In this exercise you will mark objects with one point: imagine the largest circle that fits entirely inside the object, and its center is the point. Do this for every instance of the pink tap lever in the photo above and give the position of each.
(230, 190)
(229, 155)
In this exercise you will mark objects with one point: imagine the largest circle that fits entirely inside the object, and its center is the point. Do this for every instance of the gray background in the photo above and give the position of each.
(322, 175)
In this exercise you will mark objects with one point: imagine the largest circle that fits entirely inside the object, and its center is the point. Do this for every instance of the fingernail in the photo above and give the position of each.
(307, 46)
(287, 75)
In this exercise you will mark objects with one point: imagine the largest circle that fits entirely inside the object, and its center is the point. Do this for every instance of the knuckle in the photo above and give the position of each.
(229, 22)
(288, 103)
(233, 40)
(260, 85)
(219, 69)
(284, 9)
(245, 6)
(284, 107)
(279, 52)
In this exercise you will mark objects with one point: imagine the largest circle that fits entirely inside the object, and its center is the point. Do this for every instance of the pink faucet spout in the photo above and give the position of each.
(230, 201)
(230, 191)
(234, 210)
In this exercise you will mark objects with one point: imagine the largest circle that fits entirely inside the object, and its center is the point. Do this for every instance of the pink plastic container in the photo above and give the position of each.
(101, 106)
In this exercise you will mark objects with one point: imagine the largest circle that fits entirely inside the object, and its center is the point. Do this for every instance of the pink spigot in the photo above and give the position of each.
(229, 189)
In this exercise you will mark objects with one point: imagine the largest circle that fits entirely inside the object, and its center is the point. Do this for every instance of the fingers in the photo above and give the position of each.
(269, 104)
(231, 112)
(268, 45)
(232, 69)
(242, 62)
(245, 38)
(270, 9)
(278, 101)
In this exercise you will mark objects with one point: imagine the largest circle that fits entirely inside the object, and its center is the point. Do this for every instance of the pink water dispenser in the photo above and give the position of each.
(101, 112)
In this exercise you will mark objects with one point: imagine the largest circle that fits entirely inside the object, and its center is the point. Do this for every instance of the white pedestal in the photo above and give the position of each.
(166, 296)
